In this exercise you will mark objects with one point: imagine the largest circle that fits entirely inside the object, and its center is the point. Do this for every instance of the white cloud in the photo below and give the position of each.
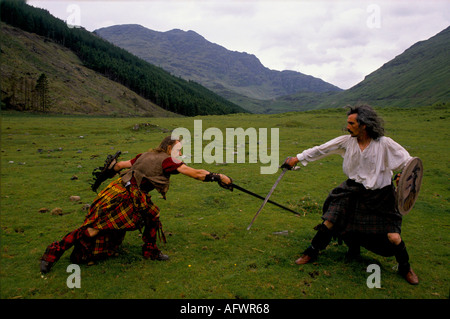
(338, 41)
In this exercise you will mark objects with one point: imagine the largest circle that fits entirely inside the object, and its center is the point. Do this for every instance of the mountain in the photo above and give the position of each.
(73, 88)
(231, 74)
(417, 77)
(148, 81)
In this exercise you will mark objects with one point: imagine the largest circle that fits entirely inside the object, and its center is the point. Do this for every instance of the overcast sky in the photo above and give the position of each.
(338, 41)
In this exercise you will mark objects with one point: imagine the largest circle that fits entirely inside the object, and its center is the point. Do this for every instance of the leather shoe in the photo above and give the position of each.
(161, 257)
(303, 260)
(45, 266)
(411, 277)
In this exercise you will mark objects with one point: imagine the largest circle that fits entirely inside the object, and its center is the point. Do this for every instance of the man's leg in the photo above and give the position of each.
(56, 249)
(402, 257)
(353, 242)
(149, 249)
(318, 243)
(391, 245)
(84, 247)
(92, 232)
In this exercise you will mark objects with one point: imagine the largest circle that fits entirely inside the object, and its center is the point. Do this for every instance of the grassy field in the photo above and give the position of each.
(212, 254)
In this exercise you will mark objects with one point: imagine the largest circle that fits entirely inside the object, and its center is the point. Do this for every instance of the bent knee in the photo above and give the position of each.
(328, 224)
(394, 238)
(92, 232)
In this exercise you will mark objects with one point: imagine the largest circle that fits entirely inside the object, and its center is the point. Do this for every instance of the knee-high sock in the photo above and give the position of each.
(402, 257)
(320, 241)
(381, 245)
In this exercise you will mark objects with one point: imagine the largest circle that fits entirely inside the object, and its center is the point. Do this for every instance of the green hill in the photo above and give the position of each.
(73, 88)
(419, 76)
(148, 81)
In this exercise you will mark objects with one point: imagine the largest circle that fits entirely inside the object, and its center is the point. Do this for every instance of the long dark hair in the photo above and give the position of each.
(164, 145)
(368, 117)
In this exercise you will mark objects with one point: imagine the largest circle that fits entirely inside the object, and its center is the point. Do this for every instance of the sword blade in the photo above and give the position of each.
(267, 197)
(260, 197)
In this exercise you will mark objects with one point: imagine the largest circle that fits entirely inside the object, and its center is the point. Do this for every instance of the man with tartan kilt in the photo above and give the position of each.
(126, 205)
(362, 210)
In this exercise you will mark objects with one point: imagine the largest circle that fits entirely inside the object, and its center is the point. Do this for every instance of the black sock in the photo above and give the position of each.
(320, 240)
(402, 257)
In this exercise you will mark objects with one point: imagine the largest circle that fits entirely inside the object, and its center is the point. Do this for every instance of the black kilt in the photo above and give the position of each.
(354, 209)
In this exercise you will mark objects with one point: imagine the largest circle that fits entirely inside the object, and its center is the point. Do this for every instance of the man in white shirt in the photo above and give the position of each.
(361, 210)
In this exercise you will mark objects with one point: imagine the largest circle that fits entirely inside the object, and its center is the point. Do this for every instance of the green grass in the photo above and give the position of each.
(212, 253)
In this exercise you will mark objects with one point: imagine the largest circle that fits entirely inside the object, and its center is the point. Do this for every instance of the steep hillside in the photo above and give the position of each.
(73, 88)
(228, 73)
(417, 77)
(151, 82)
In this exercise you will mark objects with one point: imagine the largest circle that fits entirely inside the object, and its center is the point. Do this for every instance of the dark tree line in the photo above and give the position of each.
(28, 94)
(151, 82)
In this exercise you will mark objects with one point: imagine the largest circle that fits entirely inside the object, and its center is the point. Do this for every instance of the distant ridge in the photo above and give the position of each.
(419, 76)
(190, 56)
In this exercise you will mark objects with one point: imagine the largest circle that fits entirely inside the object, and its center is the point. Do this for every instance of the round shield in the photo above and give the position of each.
(409, 185)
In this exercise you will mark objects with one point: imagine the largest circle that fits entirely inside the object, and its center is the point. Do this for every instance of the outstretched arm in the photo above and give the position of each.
(335, 146)
(200, 174)
(121, 165)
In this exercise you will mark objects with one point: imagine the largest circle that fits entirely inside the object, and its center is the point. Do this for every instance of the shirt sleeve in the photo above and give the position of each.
(335, 146)
(170, 167)
(396, 156)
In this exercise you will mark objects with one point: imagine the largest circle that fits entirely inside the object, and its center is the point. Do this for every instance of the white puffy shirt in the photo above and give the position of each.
(372, 167)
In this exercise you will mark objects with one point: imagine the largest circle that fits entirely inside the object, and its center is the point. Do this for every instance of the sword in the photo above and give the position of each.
(268, 196)
(260, 197)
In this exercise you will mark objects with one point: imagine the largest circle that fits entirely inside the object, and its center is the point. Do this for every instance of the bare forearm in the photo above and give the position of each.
(200, 174)
(121, 165)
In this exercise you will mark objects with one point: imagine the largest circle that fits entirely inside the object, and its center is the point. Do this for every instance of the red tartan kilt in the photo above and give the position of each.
(117, 207)
(114, 211)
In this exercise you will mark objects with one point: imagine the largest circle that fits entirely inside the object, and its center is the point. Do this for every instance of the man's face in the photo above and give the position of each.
(353, 126)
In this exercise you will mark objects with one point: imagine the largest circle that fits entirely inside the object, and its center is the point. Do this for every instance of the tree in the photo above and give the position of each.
(42, 93)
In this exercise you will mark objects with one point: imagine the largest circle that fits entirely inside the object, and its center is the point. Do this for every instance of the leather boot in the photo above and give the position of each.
(309, 255)
(411, 277)
(404, 268)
